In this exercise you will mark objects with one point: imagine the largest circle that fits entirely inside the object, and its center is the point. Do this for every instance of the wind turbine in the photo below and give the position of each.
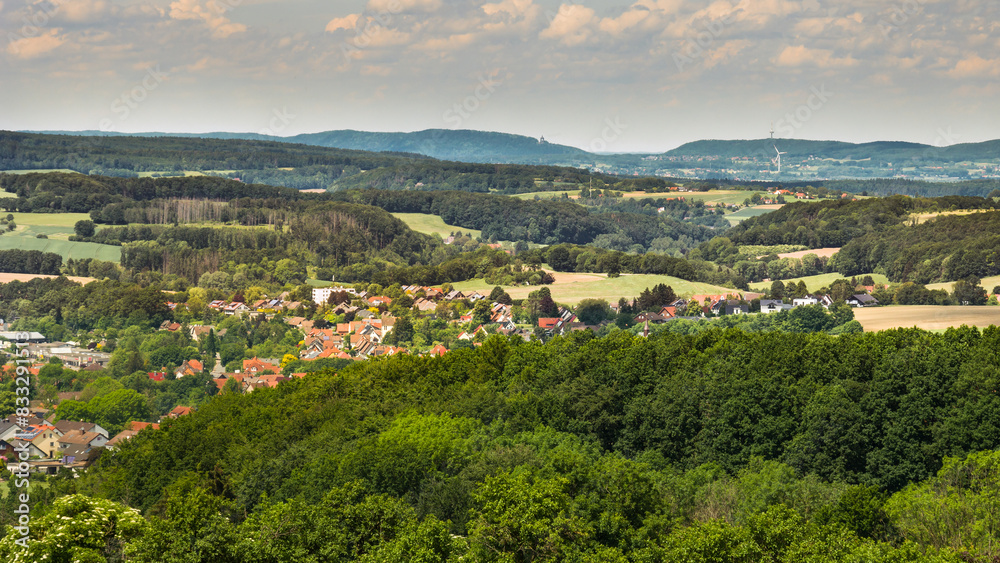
(778, 159)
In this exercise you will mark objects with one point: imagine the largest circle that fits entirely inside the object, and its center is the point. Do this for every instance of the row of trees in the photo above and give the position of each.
(18, 261)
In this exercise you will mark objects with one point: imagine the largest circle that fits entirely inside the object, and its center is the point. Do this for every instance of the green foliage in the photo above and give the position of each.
(76, 528)
(959, 508)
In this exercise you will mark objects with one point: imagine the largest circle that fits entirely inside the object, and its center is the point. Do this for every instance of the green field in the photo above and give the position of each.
(58, 227)
(433, 225)
(65, 248)
(66, 170)
(987, 283)
(813, 283)
(548, 195)
(746, 213)
(572, 288)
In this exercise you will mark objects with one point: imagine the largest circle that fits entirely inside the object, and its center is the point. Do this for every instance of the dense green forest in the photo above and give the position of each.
(30, 262)
(286, 164)
(544, 221)
(714, 447)
(947, 248)
(835, 223)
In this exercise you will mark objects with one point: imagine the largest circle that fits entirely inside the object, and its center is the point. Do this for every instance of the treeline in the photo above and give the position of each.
(18, 261)
(285, 164)
(544, 222)
(83, 307)
(570, 258)
(718, 446)
(946, 248)
(835, 223)
(56, 192)
(916, 188)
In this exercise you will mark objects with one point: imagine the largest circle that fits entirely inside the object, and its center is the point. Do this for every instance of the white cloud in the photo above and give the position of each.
(628, 19)
(403, 6)
(800, 55)
(976, 67)
(31, 47)
(212, 14)
(348, 22)
(571, 25)
(83, 11)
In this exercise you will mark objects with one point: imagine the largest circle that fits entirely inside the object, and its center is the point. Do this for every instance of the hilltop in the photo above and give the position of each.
(460, 144)
(745, 160)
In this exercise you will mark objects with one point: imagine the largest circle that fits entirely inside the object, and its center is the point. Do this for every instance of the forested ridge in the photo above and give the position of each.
(719, 446)
(835, 223)
(947, 248)
(287, 164)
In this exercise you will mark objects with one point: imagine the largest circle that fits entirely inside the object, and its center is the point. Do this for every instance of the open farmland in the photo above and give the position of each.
(821, 252)
(57, 227)
(747, 212)
(987, 283)
(432, 225)
(814, 283)
(7, 278)
(928, 317)
(571, 288)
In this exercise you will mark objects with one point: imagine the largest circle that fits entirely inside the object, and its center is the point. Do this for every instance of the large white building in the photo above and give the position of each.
(322, 294)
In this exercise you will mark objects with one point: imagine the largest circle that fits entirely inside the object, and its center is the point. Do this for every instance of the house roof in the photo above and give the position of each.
(548, 322)
(79, 437)
(180, 411)
(67, 426)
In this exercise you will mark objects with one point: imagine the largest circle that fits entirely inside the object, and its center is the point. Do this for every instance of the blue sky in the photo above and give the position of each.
(644, 75)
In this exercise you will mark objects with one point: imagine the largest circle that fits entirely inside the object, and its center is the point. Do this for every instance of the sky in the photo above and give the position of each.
(608, 76)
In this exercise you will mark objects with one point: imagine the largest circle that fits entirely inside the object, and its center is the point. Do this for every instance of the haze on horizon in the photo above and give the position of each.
(645, 76)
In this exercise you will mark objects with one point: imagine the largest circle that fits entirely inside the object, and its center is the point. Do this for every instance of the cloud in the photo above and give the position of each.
(403, 6)
(83, 11)
(212, 14)
(570, 25)
(801, 55)
(616, 26)
(31, 47)
(976, 67)
(348, 22)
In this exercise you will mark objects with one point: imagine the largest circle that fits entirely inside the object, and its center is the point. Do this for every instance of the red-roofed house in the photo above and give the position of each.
(189, 367)
(438, 351)
(548, 323)
(179, 411)
(256, 365)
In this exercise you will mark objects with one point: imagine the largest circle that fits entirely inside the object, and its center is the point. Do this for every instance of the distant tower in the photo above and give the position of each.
(772, 130)
(541, 140)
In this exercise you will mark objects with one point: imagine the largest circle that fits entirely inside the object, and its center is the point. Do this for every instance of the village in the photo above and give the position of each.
(74, 445)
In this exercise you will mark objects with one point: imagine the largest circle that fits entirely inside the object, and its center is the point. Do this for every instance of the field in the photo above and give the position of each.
(924, 217)
(6, 278)
(821, 252)
(58, 227)
(748, 212)
(928, 317)
(432, 225)
(813, 283)
(573, 193)
(987, 283)
(66, 170)
(571, 288)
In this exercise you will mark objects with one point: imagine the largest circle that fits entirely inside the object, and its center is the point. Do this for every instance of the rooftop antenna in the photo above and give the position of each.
(778, 159)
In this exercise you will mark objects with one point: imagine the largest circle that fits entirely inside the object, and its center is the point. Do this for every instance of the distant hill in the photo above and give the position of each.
(799, 148)
(446, 144)
(745, 160)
